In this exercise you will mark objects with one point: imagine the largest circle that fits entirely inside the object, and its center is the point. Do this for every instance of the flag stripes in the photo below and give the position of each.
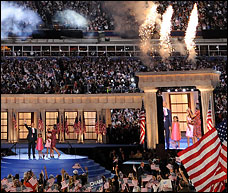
(142, 120)
(14, 121)
(209, 117)
(202, 161)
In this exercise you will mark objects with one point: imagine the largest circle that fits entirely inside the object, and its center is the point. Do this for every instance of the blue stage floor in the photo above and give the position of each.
(18, 164)
(183, 144)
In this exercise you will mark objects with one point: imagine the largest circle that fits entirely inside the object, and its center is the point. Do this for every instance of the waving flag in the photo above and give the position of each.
(62, 124)
(58, 124)
(76, 125)
(142, 120)
(14, 121)
(202, 161)
(40, 123)
(79, 124)
(209, 118)
(103, 129)
(84, 126)
(66, 126)
(96, 126)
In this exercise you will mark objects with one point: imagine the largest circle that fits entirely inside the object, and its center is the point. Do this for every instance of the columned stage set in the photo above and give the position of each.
(203, 80)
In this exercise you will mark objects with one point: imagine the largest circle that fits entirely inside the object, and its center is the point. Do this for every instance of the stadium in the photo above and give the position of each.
(113, 96)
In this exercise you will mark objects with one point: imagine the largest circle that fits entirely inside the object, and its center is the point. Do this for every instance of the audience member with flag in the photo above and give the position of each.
(206, 160)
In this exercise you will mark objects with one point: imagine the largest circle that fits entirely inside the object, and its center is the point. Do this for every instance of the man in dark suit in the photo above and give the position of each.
(32, 137)
(167, 122)
(140, 172)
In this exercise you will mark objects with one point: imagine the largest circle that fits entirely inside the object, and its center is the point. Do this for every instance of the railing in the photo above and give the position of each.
(70, 148)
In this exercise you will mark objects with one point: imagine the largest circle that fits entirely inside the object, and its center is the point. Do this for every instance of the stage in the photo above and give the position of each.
(18, 164)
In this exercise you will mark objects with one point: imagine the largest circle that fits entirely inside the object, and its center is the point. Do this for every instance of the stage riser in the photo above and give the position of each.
(19, 164)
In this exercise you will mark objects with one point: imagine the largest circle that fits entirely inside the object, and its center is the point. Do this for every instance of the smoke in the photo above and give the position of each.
(71, 19)
(191, 33)
(165, 44)
(17, 20)
(179, 46)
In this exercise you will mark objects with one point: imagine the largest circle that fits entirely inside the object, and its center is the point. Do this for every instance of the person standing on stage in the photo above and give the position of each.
(31, 137)
(140, 172)
(189, 131)
(197, 125)
(53, 142)
(167, 122)
(48, 141)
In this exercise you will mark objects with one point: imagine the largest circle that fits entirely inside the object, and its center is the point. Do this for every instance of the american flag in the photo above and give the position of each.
(40, 123)
(76, 125)
(66, 126)
(96, 126)
(58, 124)
(142, 124)
(84, 126)
(209, 118)
(33, 181)
(62, 124)
(14, 121)
(79, 125)
(103, 129)
(202, 161)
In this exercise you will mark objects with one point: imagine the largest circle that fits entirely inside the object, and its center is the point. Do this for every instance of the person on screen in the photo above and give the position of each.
(190, 123)
(176, 134)
(167, 122)
(197, 125)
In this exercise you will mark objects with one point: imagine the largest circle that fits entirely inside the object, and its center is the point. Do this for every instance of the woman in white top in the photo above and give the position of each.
(189, 131)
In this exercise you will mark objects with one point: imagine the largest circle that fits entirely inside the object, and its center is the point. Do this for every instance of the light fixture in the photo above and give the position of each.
(168, 90)
(176, 90)
(192, 89)
(184, 90)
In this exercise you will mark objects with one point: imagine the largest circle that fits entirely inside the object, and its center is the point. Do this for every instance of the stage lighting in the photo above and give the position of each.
(184, 90)
(168, 90)
(192, 89)
(176, 90)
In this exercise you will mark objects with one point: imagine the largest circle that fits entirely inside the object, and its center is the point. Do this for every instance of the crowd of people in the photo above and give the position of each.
(211, 13)
(125, 126)
(148, 176)
(93, 75)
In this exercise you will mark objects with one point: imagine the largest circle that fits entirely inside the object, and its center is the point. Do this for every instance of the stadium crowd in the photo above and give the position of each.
(148, 176)
(88, 75)
(125, 127)
(211, 13)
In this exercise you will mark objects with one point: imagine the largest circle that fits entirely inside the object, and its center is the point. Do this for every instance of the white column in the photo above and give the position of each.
(150, 101)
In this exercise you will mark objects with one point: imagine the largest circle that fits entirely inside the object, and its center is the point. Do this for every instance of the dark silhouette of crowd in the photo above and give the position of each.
(211, 13)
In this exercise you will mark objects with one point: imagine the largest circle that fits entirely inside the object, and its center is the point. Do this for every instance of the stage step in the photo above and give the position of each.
(16, 164)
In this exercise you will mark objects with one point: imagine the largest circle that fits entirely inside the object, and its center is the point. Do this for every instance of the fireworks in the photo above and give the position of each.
(191, 33)
(146, 30)
(165, 44)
